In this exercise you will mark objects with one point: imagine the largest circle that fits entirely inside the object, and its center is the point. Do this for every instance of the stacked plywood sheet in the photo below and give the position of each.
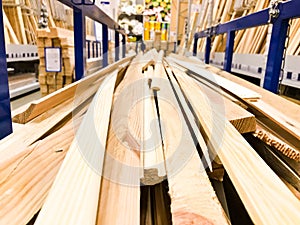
(63, 39)
(132, 144)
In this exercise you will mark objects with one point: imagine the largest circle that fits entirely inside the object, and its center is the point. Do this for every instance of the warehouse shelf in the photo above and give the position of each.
(278, 15)
(254, 65)
(81, 9)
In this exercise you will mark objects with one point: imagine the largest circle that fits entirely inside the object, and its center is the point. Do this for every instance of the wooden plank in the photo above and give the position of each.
(82, 168)
(49, 120)
(174, 21)
(13, 144)
(189, 114)
(241, 119)
(12, 35)
(289, 125)
(21, 22)
(290, 109)
(151, 152)
(42, 105)
(271, 157)
(122, 170)
(25, 189)
(192, 196)
(235, 89)
(277, 113)
(266, 198)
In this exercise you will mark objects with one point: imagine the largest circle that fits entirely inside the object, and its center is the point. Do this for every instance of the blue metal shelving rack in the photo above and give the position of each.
(5, 114)
(279, 15)
(81, 9)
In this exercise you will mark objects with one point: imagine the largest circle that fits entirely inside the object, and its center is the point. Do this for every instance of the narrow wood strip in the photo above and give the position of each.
(11, 31)
(80, 173)
(241, 119)
(286, 123)
(237, 90)
(48, 102)
(152, 152)
(192, 196)
(266, 198)
(122, 168)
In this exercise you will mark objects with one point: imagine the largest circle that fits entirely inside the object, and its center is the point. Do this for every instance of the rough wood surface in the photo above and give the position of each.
(24, 191)
(73, 198)
(266, 198)
(192, 196)
(271, 140)
(241, 119)
(235, 89)
(122, 169)
(42, 105)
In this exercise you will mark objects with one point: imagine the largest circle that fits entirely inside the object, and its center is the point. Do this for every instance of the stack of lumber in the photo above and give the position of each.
(250, 41)
(32, 155)
(21, 18)
(132, 144)
(62, 38)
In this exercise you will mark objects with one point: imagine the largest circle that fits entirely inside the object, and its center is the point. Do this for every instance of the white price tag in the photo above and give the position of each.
(53, 59)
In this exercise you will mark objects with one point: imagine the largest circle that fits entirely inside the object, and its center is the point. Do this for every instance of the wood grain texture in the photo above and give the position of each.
(42, 105)
(266, 198)
(289, 125)
(191, 192)
(235, 89)
(241, 119)
(274, 141)
(290, 109)
(122, 169)
(152, 153)
(24, 191)
(73, 198)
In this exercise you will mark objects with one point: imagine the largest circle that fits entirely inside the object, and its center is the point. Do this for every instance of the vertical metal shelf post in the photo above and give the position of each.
(117, 46)
(80, 44)
(276, 49)
(89, 48)
(229, 50)
(123, 46)
(104, 45)
(195, 45)
(5, 112)
(207, 50)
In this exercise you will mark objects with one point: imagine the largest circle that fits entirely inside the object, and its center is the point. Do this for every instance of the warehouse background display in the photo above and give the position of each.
(131, 18)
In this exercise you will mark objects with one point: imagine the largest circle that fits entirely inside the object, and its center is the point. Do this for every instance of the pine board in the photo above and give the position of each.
(74, 204)
(265, 196)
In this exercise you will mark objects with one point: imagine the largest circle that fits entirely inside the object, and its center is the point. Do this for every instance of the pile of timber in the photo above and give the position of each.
(132, 144)
(63, 39)
(250, 41)
(21, 19)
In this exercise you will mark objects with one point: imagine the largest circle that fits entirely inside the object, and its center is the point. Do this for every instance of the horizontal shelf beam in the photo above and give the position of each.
(287, 10)
(95, 13)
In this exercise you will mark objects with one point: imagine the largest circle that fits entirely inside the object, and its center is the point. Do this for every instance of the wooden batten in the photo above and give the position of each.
(241, 119)
(235, 89)
(12, 35)
(192, 196)
(82, 167)
(122, 167)
(30, 180)
(39, 106)
(266, 198)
